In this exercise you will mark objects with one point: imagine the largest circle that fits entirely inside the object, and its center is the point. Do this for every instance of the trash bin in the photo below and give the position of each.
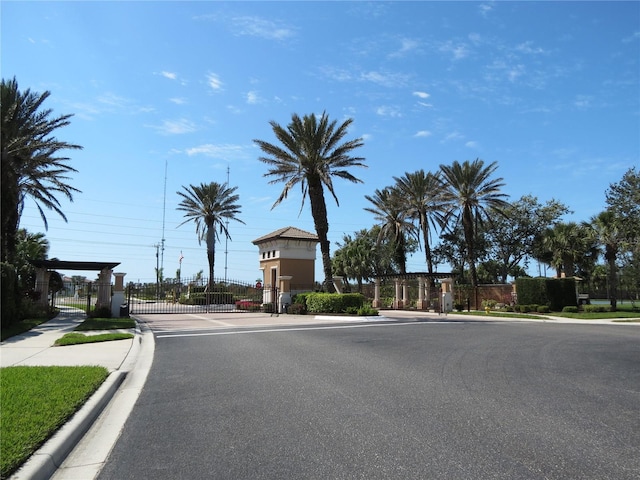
(124, 310)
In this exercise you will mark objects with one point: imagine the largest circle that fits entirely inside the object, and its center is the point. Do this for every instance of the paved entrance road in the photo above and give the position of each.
(463, 400)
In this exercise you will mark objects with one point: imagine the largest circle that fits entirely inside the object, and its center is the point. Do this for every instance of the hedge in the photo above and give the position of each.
(333, 302)
(554, 293)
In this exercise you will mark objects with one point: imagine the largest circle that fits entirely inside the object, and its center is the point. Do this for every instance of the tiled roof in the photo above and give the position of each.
(287, 232)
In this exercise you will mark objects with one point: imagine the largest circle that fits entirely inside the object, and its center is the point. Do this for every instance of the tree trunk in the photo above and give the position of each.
(211, 253)
(319, 213)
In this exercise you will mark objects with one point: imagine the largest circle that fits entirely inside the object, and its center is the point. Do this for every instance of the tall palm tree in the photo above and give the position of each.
(564, 245)
(606, 228)
(394, 222)
(209, 206)
(311, 155)
(422, 194)
(30, 166)
(471, 196)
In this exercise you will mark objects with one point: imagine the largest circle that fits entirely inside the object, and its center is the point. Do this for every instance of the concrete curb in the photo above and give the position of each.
(46, 460)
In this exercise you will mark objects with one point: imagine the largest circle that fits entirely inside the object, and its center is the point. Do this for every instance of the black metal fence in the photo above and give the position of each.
(198, 296)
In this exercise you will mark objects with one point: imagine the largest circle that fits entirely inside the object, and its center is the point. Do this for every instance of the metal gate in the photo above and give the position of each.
(199, 296)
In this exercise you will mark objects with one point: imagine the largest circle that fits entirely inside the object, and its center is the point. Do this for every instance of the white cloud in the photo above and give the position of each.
(175, 127)
(214, 81)
(169, 75)
(459, 51)
(221, 151)
(178, 101)
(388, 111)
(485, 9)
(260, 27)
(253, 98)
(423, 134)
(582, 101)
(407, 45)
(421, 94)
(385, 79)
(472, 144)
(453, 136)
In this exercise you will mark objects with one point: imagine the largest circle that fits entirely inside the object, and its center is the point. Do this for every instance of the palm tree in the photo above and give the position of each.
(394, 222)
(605, 227)
(422, 194)
(311, 155)
(562, 246)
(210, 206)
(471, 196)
(31, 166)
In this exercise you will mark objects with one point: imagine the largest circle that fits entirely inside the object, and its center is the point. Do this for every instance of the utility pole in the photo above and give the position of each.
(157, 247)
(164, 208)
(226, 237)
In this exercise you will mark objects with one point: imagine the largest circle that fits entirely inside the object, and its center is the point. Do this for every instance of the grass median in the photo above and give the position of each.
(37, 401)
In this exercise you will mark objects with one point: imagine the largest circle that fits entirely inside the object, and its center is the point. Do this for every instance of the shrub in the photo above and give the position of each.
(543, 309)
(301, 298)
(333, 302)
(367, 311)
(249, 305)
(509, 308)
(297, 309)
(100, 312)
(268, 308)
(570, 309)
(531, 290)
(490, 303)
(596, 308)
(458, 306)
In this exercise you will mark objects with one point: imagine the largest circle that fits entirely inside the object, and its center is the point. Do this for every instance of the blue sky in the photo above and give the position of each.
(549, 90)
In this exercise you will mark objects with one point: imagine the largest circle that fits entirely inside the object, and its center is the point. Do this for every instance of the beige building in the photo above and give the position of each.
(287, 260)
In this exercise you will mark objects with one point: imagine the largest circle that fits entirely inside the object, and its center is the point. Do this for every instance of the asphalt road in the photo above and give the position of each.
(417, 400)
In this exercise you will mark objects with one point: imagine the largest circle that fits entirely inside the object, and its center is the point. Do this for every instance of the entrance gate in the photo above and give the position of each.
(196, 296)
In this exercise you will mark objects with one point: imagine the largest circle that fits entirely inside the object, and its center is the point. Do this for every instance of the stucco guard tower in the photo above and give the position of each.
(287, 260)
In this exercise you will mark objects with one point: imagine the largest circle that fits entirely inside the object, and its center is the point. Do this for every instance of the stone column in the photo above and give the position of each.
(405, 293)
(104, 288)
(421, 305)
(118, 295)
(284, 298)
(376, 293)
(397, 301)
(42, 285)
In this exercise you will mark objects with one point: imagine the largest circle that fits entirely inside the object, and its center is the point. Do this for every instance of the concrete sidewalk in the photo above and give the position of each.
(36, 348)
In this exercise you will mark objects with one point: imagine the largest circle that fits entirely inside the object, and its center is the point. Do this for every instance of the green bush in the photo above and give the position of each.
(553, 292)
(301, 298)
(367, 311)
(333, 302)
(570, 309)
(100, 312)
(268, 308)
(297, 309)
(543, 309)
(596, 308)
(531, 290)
(561, 293)
(9, 300)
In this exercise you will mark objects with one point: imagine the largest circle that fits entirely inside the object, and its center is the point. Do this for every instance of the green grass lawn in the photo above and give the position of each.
(75, 338)
(37, 401)
(105, 324)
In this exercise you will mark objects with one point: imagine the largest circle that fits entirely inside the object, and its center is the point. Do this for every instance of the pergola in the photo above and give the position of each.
(44, 268)
(401, 298)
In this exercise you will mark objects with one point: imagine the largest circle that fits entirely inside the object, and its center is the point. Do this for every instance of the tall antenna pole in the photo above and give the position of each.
(226, 238)
(164, 207)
